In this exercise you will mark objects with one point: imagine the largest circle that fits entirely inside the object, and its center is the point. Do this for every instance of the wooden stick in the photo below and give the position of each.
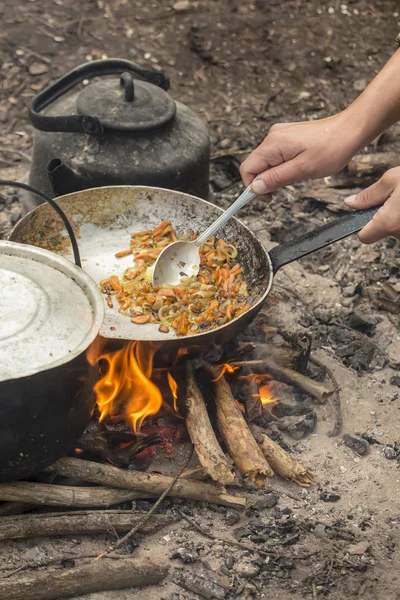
(146, 483)
(308, 385)
(282, 463)
(203, 437)
(76, 522)
(363, 165)
(85, 579)
(285, 356)
(44, 494)
(236, 434)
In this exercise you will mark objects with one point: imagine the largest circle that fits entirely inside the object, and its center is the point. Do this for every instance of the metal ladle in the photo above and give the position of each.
(182, 259)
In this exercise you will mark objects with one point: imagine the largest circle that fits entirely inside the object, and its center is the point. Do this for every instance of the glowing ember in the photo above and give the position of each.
(125, 388)
(174, 390)
(265, 394)
(227, 368)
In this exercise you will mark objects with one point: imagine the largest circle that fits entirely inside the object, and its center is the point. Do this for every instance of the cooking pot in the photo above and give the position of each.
(51, 313)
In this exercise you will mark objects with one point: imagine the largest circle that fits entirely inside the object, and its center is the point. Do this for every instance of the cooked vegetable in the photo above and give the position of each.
(213, 298)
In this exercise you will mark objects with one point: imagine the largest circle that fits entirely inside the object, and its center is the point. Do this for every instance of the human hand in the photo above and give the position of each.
(293, 152)
(386, 222)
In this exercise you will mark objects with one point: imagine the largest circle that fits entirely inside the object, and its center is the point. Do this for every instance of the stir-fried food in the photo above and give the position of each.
(215, 296)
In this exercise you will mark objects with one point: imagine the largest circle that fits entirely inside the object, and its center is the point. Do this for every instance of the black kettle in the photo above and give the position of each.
(117, 131)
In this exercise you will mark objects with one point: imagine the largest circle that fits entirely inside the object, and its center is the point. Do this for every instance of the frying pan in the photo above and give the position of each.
(103, 219)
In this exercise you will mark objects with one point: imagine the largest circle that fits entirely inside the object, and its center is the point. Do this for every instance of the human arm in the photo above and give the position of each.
(293, 152)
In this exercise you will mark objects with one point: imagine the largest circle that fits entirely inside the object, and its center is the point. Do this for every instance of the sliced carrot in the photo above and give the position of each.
(242, 310)
(141, 319)
(157, 230)
(132, 274)
(182, 324)
(213, 305)
(179, 292)
(237, 270)
(115, 284)
(123, 253)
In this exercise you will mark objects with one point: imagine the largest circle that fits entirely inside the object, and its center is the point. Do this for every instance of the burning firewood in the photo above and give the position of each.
(145, 483)
(95, 576)
(282, 463)
(98, 444)
(289, 376)
(77, 522)
(251, 397)
(237, 436)
(203, 437)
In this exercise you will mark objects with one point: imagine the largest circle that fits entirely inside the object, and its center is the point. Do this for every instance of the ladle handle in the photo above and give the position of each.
(321, 237)
(232, 210)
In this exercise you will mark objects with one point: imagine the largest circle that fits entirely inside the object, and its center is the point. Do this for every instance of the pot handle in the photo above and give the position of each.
(96, 68)
(321, 237)
(59, 211)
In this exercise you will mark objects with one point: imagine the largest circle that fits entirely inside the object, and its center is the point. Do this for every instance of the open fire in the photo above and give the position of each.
(219, 405)
(126, 391)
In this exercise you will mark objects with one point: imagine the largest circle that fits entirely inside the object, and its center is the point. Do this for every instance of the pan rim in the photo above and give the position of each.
(183, 195)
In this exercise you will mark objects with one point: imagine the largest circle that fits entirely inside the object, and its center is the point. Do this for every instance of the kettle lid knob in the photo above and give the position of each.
(127, 82)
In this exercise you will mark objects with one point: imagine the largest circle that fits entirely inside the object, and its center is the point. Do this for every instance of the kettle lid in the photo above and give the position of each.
(127, 105)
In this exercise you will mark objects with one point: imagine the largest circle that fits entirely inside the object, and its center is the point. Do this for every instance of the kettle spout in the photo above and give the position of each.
(64, 179)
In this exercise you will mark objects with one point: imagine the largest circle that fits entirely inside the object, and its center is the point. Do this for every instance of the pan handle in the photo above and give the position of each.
(59, 211)
(321, 237)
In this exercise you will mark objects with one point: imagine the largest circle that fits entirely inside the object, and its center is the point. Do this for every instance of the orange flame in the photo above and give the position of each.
(227, 368)
(265, 394)
(264, 389)
(174, 390)
(126, 386)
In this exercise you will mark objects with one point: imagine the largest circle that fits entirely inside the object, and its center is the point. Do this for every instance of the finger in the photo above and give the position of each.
(386, 222)
(253, 165)
(277, 177)
(374, 194)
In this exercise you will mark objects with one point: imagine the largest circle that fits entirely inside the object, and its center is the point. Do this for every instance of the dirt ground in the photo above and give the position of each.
(244, 65)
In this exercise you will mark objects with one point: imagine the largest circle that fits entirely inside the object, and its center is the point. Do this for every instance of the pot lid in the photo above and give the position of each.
(50, 310)
(127, 105)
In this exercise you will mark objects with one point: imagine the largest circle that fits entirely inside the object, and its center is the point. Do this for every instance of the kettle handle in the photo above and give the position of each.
(96, 68)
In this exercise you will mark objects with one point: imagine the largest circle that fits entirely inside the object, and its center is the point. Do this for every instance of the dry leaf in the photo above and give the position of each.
(181, 5)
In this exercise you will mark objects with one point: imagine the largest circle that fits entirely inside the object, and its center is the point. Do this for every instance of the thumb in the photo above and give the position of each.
(277, 177)
(374, 194)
